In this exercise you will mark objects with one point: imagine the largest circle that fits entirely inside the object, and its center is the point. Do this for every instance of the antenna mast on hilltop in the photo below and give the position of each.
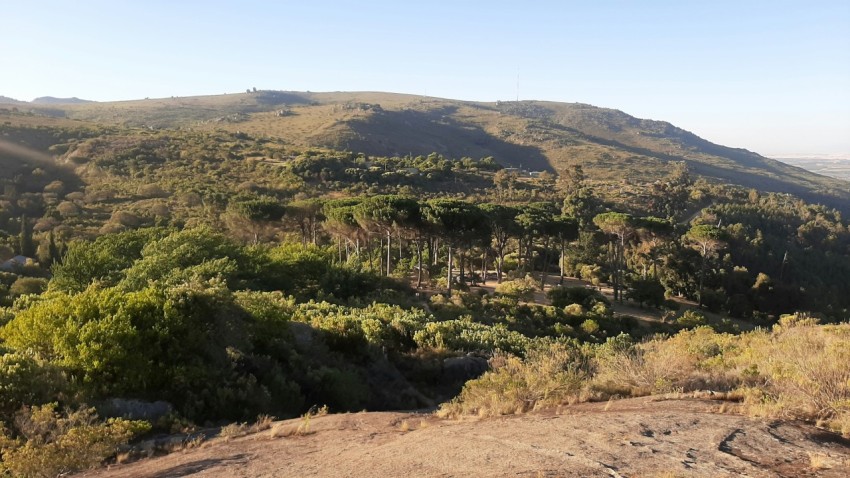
(517, 86)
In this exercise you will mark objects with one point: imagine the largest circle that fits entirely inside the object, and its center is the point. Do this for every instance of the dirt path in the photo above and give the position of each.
(646, 437)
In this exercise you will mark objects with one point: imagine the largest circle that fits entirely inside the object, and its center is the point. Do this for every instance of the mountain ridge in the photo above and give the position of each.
(609, 144)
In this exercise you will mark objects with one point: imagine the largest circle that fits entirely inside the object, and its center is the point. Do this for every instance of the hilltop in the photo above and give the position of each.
(610, 145)
(10, 101)
(50, 100)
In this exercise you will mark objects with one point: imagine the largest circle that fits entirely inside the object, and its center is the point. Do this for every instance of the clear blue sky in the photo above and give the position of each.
(770, 76)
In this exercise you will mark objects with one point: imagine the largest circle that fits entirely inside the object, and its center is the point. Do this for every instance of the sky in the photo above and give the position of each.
(769, 76)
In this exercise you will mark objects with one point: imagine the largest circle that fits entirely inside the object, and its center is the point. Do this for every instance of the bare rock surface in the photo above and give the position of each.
(642, 437)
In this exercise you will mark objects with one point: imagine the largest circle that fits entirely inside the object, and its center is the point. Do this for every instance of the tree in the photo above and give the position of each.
(306, 213)
(503, 223)
(460, 224)
(341, 222)
(385, 215)
(671, 195)
(707, 239)
(26, 245)
(653, 233)
(534, 221)
(255, 218)
(580, 201)
(505, 180)
(566, 229)
(620, 226)
(649, 291)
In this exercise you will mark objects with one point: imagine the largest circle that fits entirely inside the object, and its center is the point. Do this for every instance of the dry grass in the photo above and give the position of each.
(547, 378)
(234, 430)
(302, 428)
(798, 370)
(264, 422)
(819, 461)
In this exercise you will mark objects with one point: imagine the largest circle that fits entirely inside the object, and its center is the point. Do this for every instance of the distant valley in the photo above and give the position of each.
(835, 166)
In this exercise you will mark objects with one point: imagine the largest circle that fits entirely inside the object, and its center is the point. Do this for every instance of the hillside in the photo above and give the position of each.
(10, 101)
(51, 100)
(650, 437)
(184, 263)
(609, 144)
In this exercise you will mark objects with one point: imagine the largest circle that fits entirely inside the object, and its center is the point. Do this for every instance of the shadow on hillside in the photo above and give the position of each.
(784, 179)
(271, 97)
(398, 133)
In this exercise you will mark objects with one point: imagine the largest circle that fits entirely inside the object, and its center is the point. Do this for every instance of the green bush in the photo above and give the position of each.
(520, 289)
(47, 443)
(465, 335)
(583, 296)
(691, 319)
(27, 285)
(27, 380)
(550, 374)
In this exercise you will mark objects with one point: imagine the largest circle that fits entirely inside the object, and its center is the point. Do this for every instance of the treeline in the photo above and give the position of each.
(758, 259)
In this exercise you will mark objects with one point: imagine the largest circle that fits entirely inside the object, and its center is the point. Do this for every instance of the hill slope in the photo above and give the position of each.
(51, 100)
(609, 144)
(636, 437)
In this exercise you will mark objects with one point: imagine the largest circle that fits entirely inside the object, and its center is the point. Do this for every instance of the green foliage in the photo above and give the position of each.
(48, 443)
(691, 319)
(103, 260)
(360, 331)
(26, 379)
(648, 291)
(258, 208)
(519, 289)
(706, 235)
(27, 285)
(586, 297)
(192, 254)
(465, 335)
(550, 374)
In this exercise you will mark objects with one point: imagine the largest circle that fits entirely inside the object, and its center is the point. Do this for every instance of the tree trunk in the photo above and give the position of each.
(519, 255)
(462, 270)
(339, 248)
(545, 264)
(450, 272)
(380, 255)
(500, 264)
(484, 268)
(389, 252)
(419, 263)
(561, 263)
(435, 248)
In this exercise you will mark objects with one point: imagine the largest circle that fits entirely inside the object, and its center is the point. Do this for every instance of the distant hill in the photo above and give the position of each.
(611, 145)
(50, 100)
(10, 101)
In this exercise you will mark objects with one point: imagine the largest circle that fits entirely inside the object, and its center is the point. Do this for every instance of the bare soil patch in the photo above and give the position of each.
(642, 437)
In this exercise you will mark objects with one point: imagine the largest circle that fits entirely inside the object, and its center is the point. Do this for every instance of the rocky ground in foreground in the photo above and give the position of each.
(643, 437)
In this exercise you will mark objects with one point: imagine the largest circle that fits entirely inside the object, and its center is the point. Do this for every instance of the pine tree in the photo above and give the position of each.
(26, 246)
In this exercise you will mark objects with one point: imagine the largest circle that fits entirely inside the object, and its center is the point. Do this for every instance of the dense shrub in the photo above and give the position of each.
(47, 443)
(583, 296)
(465, 335)
(549, 375)
(520, 289)
(798, 370)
